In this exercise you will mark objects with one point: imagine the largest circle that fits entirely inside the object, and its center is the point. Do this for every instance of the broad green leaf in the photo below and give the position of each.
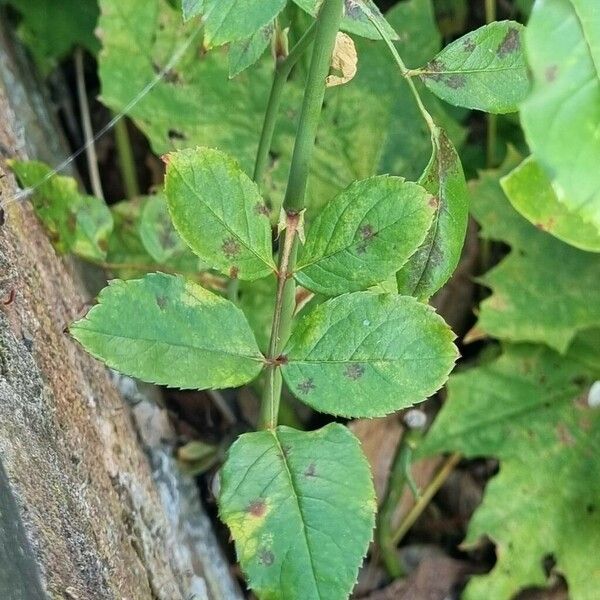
(561, 115)
(75, 223)
(219, 212)
(51, 29)
(245, 53)
(165, 330)
(356, 17)
(367, 355)
(364, 235)
(232, 20)
(528, 410)
(157, 233)
(301, 509)
(531, 193)
(545, 290)
(485, 69)
(434, 262)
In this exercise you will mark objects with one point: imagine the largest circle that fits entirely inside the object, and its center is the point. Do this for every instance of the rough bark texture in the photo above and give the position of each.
(81, 517)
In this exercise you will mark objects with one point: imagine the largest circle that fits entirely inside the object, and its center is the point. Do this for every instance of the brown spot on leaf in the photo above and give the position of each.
(230, 248)
(469, 46)
(434, 70)
(550, 73)
(262, 209)
(234, 272)
(353, 10)
(310, 471)
(266, 557)
(455, 81)
(161, 302)
(367, 233)
(257, 508)
(434, 202)
(354, 371)
(307, 386)
(511, 43)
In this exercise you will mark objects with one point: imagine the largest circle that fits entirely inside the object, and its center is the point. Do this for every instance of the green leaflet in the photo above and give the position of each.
(76, 223)
(245, 53)
(366, 355)
(219, 212)
(165, 330)
(355, 18)
(545, 290)
(485, 69)
(530, 192)
(528, 409)
(561, 116)
(364, 235)
(301, 509)
(51, 29)
(232, 20)
(435, 261)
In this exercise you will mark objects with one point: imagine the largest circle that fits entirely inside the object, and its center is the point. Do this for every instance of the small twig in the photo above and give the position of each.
(86, 123)
(430, 491)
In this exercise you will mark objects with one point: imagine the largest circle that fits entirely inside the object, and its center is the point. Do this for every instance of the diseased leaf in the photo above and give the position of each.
(485, 69)
(356, 19)
(537, 290)
(435, 261)
(530, 192)
(366, 355)
(301, 509)
(219, 212)
(165, 330)
(75, 223)
(232, 20)
(364, 235)
(344, 62)
(245, 53)
(528, 410)
(561, 115)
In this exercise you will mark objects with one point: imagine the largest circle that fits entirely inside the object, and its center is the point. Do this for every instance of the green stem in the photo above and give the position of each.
(430, 491)
(327, 26)
(396, 485)
(126, 160)
(282, 72)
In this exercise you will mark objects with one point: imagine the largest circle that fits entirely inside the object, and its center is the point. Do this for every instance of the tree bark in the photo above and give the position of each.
(84, 514)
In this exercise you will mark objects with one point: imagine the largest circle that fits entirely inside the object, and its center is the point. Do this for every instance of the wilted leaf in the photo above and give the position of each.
(232, 20)
(485, 69)
(300, 507)
(530, 191)
(364, 235)
(526, 409)
(561, 116)
(366, 355)
(245, 53)
(75, 223)
(164, 330)
(435, 261)
(545, 290)
(219, 212)
(343, 62)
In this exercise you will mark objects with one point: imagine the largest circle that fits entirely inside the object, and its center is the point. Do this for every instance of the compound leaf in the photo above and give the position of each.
(219, 212)
(484, 70)
(232, 20)
(356, 17)
(76, 223)
(364, 235)
(528, 410)
(530, 191)
(301, 509)
(366, 355)
(245, 53)
(533, 300)
(165, 330)
(434, 262)
(561, 115)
